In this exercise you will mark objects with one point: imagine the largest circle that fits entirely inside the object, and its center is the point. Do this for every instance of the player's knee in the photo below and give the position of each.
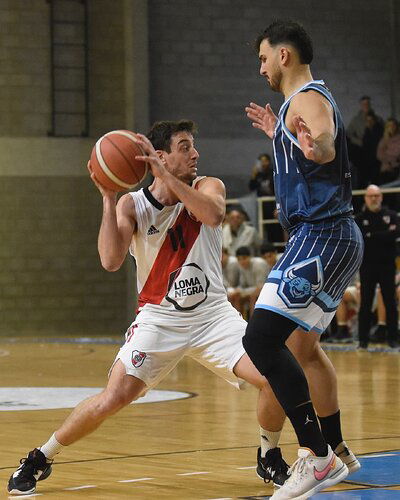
(265, 334)
(110, 402)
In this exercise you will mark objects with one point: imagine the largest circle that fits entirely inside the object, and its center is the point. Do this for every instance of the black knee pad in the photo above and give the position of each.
(266, 334)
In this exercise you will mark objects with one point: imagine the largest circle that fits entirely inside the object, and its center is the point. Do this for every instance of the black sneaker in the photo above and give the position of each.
(343, 335)
(379, 335)
(272, 467)
(33, 468)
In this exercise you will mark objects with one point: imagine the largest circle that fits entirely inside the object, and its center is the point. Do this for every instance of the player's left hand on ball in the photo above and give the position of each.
(303, 133)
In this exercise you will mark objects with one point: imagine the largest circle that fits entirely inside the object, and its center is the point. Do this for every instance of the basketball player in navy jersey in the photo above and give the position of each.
(313, 195)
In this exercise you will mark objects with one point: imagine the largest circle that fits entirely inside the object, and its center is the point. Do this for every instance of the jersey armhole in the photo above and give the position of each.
(135, 195)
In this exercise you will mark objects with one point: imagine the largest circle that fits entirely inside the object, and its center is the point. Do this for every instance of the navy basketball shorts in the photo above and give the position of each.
(308, 282)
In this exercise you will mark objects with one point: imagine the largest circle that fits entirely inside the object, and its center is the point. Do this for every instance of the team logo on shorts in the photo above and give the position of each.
(138, 358)
(301, 282)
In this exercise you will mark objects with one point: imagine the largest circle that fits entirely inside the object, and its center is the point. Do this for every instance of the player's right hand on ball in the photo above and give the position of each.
(104, 191)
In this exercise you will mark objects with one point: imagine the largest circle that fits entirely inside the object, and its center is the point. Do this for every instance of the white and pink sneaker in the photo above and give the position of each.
(310, 474)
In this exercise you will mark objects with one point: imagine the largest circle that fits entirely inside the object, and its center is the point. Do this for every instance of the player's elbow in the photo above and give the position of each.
(110, 265)
(217, 219)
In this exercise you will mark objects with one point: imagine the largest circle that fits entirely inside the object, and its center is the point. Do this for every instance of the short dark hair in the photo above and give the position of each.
(243, 251)
(288, 32)
(365, 98)
(161, 132)
(237, 208)
(264, 154)
(267, 247)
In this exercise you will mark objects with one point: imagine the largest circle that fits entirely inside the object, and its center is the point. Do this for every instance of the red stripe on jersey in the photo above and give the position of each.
(170, 259)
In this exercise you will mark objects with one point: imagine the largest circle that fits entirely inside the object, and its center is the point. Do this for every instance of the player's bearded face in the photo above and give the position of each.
(270, 69)
(275, 78)
(182, 160)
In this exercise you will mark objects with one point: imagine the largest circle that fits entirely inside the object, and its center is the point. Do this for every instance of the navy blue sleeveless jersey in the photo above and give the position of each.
(306, 191)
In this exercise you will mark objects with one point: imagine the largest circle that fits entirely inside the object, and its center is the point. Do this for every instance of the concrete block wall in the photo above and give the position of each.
(203, 67)
(25, 68)
(51, 279)
(107, 66)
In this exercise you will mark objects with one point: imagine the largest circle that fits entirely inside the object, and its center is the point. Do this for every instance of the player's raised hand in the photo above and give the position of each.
(151, 157)
(305, 139)
(262, 118)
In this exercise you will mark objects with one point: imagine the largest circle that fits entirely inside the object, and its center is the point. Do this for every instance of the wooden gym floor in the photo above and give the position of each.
(202, 447)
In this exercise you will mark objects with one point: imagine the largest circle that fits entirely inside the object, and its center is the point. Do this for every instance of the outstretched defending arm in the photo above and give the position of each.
(262, 118)
(310, 116)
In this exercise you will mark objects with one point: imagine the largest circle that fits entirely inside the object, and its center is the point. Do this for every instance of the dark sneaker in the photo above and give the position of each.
(362, 346)
(343, 335)
(33, 468)
(272, 467)
(379, 335)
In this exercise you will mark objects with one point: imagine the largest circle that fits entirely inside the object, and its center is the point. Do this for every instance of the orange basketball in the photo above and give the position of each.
(113, 161)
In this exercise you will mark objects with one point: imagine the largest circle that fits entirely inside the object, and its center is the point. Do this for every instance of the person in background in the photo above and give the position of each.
(230, 276)
(262, 176)
(269, 253)
(355, 133)
(252, 273)
(369, 173)
(345, 313)
(237, 233)
(380, 227)
(389, 152)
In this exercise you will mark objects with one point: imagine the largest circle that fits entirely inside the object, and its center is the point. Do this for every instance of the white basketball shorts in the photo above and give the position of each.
(151, 351)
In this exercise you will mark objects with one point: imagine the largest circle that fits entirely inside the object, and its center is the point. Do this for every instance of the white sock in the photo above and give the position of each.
(51, 448)
(269, 440)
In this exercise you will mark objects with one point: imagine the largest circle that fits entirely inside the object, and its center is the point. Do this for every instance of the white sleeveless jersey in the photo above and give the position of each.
(178, 262)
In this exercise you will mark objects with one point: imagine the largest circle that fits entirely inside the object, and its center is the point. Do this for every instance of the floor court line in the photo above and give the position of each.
(135, 480)
(192, 473)
(171, 453)
(83, 487)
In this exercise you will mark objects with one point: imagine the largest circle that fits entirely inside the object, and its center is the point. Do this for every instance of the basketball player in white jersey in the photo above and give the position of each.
(173, 229)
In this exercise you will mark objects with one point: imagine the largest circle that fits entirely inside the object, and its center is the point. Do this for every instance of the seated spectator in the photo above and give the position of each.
(252, 274)
(379, 334)
(230, 276)
(262, 176)
(346, 314)
(389, 152)
(270, 254)
(237, 233)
